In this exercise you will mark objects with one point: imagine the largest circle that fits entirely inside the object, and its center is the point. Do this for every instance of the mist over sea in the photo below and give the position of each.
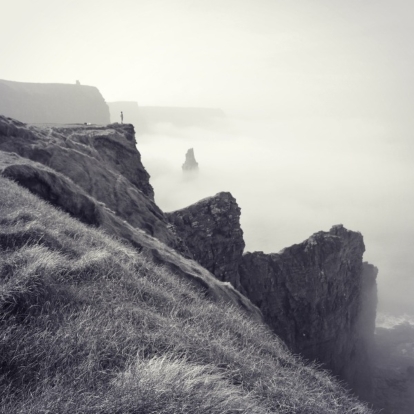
(296, 176)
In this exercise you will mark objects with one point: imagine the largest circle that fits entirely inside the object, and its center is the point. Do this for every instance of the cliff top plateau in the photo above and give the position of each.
(100, 313)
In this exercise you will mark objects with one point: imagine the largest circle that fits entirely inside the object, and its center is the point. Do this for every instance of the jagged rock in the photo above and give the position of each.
(312, 295)
(190, 163)
(53, 103)
(211, 230)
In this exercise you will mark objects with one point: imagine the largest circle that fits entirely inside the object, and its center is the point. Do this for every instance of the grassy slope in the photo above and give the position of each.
(90, 326)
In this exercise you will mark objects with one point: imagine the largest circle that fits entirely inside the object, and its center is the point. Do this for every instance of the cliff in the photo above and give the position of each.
(111, 315)
(52, 103)
(318, 296)
(96, 175)
(312, 295)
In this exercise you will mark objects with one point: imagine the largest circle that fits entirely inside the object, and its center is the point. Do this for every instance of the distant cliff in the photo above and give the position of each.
(52, 103)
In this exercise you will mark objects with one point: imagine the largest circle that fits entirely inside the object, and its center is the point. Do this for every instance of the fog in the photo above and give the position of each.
(297, 176)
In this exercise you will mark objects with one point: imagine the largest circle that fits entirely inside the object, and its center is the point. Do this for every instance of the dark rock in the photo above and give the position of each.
(211, 230)
(53, 103)
(190, 163)
(312, 295)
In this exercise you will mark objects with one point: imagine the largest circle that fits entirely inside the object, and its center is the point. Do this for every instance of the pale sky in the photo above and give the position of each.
(315, 57)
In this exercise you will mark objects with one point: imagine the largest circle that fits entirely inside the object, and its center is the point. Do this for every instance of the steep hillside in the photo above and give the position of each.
(52, 103)
(89, 325)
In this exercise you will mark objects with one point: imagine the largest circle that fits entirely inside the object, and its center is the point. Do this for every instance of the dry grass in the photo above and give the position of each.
(90, 326)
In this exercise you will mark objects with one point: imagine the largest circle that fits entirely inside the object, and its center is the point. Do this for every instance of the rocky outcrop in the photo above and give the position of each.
(52, 103)
(312, 295)
(190, 163)
(95, 174)
(211, 230)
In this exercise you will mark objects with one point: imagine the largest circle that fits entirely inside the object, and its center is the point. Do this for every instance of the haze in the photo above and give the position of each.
(318, 94)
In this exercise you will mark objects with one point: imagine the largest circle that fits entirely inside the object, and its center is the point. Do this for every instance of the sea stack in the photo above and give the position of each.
(190, 163)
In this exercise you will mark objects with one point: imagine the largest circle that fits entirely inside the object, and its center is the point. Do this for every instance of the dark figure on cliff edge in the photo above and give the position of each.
(122, 117)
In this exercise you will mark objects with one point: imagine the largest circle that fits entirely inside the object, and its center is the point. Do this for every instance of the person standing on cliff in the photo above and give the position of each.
(122, 117)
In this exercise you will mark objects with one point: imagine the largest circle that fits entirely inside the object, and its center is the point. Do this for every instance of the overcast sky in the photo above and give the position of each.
(339, 57)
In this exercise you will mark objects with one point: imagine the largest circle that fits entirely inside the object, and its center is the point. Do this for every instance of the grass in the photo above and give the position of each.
(88, 325)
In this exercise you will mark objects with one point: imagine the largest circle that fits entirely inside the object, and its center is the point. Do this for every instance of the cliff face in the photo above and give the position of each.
(211, 231)
(52, 103)
(95, 174)
(312, 294)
